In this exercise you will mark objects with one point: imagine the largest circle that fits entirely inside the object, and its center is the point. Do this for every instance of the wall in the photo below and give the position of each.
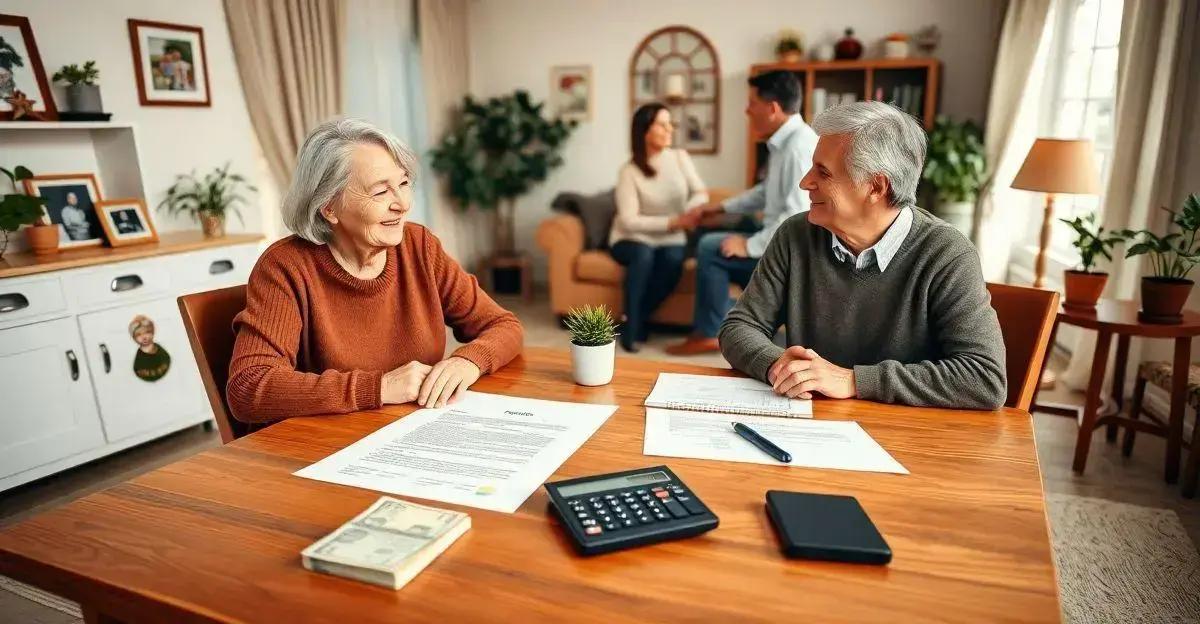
(515, 42)
(171, 140)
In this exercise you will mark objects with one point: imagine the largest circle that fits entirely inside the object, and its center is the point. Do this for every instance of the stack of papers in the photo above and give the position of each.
(729, 395)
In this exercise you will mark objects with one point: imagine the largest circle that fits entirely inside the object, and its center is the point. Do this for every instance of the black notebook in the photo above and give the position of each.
(827, 527)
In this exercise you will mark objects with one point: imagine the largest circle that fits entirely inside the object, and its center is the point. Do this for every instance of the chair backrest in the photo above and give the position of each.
(1026, 321)
(208, 318)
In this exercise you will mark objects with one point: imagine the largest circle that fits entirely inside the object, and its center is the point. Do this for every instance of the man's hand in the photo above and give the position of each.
(447, 381)
(686, 222)
(734, 246)
(800, 372)
(402, 384)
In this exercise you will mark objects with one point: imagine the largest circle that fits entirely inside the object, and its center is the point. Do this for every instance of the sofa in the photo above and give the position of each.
(580, 276)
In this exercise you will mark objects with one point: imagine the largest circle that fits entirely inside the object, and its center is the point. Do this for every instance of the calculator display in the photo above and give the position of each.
(613, 483)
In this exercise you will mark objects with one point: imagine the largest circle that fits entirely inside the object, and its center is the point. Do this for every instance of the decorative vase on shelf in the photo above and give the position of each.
(848, 48)
(213, 225)
(896, 46)
(824, 52)
(84, 98)
(42, 239)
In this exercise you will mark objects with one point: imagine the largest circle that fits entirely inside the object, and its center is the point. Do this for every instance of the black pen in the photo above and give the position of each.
(762, 443)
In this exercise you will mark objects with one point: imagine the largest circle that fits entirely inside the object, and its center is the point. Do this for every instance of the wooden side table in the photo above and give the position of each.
(521, 262)
(1121, 318)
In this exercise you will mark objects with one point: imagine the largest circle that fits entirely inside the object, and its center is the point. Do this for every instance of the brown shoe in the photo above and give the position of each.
(695, 345)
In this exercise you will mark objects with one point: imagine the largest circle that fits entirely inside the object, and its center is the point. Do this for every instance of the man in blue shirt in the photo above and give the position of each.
(723, 258)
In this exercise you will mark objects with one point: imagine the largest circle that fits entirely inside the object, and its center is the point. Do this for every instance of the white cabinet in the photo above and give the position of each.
(47, 412)
(142, 388)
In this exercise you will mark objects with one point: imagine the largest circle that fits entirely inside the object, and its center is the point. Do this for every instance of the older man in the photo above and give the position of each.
(881, 300)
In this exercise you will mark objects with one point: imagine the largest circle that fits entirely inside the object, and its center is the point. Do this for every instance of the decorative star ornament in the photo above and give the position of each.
(23, 107)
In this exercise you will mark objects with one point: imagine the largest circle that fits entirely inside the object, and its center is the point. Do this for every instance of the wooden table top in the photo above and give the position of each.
(217, 537)
(1121, 316)
(16, 264)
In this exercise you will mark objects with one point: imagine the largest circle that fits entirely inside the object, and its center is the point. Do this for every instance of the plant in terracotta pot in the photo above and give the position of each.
(593, 340)
(1172, 257)
(1084, 285)
(82, 93)
(790, 47)
(18, 209)
(208, 200)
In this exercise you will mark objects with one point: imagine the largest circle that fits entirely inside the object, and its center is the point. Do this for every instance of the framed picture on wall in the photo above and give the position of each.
(71, 205)
(126, 222)
(21, 71)
(170, 63)
(571, 92)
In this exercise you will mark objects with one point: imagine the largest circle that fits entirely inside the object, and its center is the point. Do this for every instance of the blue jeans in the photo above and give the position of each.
(714, 274)
(651, 273)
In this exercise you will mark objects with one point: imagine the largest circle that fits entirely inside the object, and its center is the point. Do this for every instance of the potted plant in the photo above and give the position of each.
(956, 166)
(208, 200)
(1084, 286)
(83, 95)
(17, 209)
(1172, 257)
(593, 340)
(790, 47)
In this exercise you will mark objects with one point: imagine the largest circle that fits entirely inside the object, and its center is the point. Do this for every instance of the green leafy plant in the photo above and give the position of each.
(1091, 241)
(72, 74)
(1174, 255)
(16, 208)
(789, 41)
(498, 151)
(217, 194)
(591, 326)
(956, 164)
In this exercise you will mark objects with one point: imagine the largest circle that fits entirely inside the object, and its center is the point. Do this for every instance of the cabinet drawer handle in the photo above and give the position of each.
(74, 362)
(11, 302)
(220, 266)
(107, 358)
(125, 282)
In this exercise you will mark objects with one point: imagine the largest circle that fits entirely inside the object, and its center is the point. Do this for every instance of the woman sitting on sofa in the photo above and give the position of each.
(654, 191)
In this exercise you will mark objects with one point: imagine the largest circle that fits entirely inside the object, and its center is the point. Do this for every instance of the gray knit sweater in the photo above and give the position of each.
(923, 332)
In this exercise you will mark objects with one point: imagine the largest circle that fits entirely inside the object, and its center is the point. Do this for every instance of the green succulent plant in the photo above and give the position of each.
(591, 326)
(1175, 254)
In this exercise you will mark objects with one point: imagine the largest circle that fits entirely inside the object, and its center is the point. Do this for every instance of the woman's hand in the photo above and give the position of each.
(446, 382)
(403, 384)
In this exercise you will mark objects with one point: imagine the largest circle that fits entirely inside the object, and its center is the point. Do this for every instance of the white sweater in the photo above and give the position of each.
(645, 205)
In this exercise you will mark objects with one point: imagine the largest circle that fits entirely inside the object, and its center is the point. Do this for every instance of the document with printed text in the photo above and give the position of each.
(487, 451)
(734, 395)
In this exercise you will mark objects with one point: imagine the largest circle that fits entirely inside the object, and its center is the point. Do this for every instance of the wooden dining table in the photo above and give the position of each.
(217, 537)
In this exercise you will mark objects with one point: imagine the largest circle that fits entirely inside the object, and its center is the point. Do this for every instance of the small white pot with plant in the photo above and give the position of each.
(593, 342)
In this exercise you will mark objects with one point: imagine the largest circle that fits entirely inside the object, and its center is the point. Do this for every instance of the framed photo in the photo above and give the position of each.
(21, 69)
(571, 92)
(71, 205)
(696, 129)
(170, 63)
(126, 221)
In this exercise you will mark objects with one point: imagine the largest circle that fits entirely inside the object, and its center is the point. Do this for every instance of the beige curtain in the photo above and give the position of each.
(442, 28)
(289, 56)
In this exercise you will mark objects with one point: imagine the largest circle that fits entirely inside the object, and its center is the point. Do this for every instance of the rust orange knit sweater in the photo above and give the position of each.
(314, 339)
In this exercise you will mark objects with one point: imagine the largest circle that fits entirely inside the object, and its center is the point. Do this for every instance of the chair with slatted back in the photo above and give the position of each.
(1026, 320)
(208, 318)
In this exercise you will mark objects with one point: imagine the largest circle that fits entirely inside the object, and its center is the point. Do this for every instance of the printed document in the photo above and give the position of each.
(735, 395)
(835, 444)
(486, 450)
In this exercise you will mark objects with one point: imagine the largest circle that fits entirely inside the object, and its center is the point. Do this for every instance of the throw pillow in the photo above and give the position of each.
(596, 212)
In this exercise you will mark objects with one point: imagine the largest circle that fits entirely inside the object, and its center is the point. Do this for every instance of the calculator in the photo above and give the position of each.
(608, 512)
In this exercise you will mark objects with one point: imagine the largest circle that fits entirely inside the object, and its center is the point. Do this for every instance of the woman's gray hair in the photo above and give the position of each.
(323, 170)
(884, 140)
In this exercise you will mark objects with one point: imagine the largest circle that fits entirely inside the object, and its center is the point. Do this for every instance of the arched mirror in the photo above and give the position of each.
(678, 66)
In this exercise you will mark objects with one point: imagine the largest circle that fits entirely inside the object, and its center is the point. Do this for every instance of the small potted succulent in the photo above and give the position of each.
(83, 96)
(208, 200)
(593, 341)
(1084, 286)
(1172, 257)
(790, 47)
(18, 209)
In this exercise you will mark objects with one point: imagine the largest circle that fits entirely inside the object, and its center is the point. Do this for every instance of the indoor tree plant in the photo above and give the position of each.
(956, 166)
(208, 200)
(17, 209)
(82, 93)
(1172, 257)
(1084, 286)
(593, 340)
(498, 151)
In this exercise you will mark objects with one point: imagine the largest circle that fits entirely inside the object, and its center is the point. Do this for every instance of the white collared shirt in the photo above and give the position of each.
(881, 253)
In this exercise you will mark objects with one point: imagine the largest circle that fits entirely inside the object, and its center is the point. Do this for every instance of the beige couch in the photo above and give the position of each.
(592, 277)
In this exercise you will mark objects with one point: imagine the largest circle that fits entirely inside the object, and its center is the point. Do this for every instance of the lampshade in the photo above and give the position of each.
(1058, 166)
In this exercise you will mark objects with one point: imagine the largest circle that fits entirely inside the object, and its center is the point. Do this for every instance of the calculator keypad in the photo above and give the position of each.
(620, 510)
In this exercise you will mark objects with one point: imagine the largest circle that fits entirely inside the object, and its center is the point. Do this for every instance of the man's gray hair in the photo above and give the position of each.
(323, 170)
(884, 140)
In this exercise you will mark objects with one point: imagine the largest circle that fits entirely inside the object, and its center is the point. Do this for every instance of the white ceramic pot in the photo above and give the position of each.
(957, 214)
(593, 366)
(895, 49)
(824, 52)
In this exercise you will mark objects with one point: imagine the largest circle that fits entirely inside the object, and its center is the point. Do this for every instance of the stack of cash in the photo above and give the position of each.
(388, 544)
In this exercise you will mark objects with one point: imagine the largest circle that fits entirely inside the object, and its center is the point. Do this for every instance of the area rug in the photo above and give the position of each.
(45, 599)
(1123, 563)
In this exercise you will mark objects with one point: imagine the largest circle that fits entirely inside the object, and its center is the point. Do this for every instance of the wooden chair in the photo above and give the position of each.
(208, 318)
(1026, 320)
(1160, 374)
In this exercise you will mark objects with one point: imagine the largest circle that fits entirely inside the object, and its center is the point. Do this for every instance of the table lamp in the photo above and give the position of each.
(1056, 166)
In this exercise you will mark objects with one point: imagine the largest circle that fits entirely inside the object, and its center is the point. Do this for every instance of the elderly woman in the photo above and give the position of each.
(350, 312)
